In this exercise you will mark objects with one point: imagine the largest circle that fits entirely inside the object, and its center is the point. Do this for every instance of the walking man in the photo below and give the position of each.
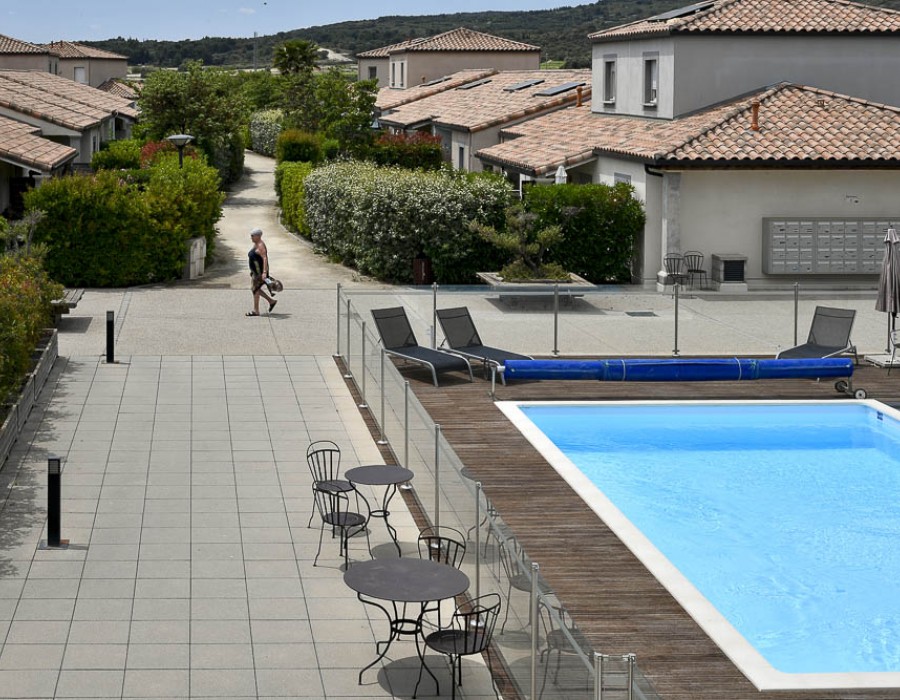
(259, 271)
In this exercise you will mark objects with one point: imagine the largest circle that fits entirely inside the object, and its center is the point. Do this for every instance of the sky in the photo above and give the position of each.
(93, 20)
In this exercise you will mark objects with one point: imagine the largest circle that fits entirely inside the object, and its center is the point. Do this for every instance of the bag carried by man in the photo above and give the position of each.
(273, 285)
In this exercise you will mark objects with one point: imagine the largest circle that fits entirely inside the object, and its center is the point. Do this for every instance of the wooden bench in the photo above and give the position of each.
(66, 303)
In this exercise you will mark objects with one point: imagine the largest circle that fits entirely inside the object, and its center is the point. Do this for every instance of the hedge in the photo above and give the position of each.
(299, 146)
(289, 186)
(379, 218)
(103, 231)
(264, 129)
(600, 226)
(25, 295)
(418, 150)
(118, 155)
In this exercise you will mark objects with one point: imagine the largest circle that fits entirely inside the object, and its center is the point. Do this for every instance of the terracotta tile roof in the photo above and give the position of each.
(59, 100)
(391, 98)
(385, 51)
(490, 103)
(67, 49)
(798, 127)
(21, 144)
(762, 16)
(10, 45)
(120, 88)
(460, 39)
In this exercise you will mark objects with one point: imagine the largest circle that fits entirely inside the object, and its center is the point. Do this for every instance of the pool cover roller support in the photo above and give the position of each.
(687, 370)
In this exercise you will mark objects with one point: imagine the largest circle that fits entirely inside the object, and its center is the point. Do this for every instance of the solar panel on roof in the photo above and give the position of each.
(469, 86)
(559, 89)
(436, 81)
(524, 84)
(680, 12)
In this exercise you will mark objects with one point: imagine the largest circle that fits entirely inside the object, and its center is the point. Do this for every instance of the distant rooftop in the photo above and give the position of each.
(762, 16)
(391, 98)
(460, 39)
(16, 46)
(68, 49)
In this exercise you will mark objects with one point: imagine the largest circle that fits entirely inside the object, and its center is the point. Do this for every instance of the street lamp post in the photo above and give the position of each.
(180, 141)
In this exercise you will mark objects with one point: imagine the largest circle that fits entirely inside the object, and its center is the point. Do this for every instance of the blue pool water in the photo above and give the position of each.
(786, 517)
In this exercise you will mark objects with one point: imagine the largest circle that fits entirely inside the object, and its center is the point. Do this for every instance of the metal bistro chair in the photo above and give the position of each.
(334, 510)
(561, 636)
(675, 274)
(693, 261)
(324, 460)
(469, 633)
(445, 545)
(895, 339)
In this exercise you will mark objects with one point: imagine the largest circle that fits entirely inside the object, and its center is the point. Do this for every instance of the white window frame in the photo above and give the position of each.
(609, 79)
(651, 80)
(621, 177)
(84, 77)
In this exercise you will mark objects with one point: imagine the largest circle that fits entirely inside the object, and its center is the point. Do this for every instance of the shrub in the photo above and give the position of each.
(600, 224)
(418, 150)
(152, 150)
(380, 218)
(118, 155)
(298, 146)
(264, 129)
(25, 295)
(289, 181)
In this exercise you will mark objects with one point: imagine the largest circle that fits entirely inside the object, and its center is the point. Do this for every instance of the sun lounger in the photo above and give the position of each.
(463, 339)
(829, 335)
(398, 340)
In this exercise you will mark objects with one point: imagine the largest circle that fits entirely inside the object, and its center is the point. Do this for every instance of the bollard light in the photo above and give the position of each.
(110, 337)
(180, 141)
(54, 502)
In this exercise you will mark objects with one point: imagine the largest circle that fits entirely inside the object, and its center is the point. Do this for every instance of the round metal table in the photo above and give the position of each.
(388, 475)
(399, 582)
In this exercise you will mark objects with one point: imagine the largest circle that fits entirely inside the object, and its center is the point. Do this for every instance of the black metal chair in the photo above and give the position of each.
(829, 336)
(561, 637)
(517, 574)
(445, 545)
(324, 460)
(675, 274)
(470, 632)
(693, 262)
(398, 340)
(462, 337)
(334, 510)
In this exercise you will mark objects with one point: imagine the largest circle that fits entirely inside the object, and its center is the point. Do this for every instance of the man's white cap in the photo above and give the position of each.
(256, 232)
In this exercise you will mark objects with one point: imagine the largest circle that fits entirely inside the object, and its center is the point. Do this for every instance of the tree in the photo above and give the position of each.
(295, 57)
(205, 103)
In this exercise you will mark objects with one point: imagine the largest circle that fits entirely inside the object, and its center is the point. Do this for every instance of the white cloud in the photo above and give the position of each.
(247, 11)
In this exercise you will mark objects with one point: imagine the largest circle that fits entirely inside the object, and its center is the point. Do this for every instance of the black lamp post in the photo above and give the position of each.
(180, 141)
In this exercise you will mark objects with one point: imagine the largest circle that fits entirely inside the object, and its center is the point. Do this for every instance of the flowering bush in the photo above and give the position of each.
(25, 295)
(151, 150)
(380, 218)
(264, 129)
(418, 150)
(289, 186)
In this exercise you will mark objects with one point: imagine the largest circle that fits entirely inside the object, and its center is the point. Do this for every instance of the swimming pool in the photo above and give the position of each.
(774, 524)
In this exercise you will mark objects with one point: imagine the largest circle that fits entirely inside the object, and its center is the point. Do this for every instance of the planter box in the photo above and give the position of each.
(542, 291)
(15, 420)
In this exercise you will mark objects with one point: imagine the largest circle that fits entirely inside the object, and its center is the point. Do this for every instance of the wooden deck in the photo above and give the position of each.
(616, 602)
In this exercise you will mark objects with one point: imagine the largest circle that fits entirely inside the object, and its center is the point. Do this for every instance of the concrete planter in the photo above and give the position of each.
(542, 291)
(44, 357)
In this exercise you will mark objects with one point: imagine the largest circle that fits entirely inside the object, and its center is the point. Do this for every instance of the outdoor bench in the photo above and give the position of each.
(66, 303)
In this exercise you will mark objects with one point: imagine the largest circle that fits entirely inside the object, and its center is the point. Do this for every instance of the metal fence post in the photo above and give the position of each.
(383, 440)
(363, 358)
(598, 676)
(477, 539)
(796, 309)
(338, 324)
(556, 318)
(675, 351)
(533, 615)
(434, 288)
(348, 374)
(407, 486)
(631, 661)
(437, 475)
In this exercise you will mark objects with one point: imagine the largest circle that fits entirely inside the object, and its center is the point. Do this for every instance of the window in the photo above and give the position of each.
(80, 74)
(393, 75)
(462, 158)
(621, 177)
(402, 75)
(609, 80)
(373, 72)
(651, 80)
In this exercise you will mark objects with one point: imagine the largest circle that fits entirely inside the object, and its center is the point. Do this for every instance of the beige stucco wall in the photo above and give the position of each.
(97, 71)
(31, 61)
(629, 58)
(381, 70)
(424, 66)
(722, 211)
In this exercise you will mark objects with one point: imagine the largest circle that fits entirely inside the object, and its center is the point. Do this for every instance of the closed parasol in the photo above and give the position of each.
(888, 299)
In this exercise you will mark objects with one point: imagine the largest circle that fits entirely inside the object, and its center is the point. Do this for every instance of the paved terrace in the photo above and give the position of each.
(186, 496)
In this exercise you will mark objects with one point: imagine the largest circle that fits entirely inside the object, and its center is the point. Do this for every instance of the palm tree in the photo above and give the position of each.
(295, 56)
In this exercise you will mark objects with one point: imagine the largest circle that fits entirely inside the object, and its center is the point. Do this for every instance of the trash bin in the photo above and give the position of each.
(422, 273)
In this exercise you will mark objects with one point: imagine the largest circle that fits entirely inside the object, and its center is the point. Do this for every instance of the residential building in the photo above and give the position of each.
(389, 98)
(86, 64)
(782, 181)
(417, 61)
(22, 55)
(469, 117)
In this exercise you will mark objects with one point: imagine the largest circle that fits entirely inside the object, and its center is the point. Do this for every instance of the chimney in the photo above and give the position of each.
(754, 118)
(579, 90)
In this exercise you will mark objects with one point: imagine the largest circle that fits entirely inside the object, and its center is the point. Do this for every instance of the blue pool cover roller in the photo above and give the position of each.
(679, 369)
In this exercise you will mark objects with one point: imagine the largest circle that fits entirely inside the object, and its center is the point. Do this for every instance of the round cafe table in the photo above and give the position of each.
(387, 475)
(400, 582)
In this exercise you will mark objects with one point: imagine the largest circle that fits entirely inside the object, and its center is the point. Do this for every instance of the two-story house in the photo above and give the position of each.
(422, 60)
(86, 64)
(753, 130)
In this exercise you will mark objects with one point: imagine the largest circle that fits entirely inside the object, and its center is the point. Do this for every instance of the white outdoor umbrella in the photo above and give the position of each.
(888, 299)
(561, 176)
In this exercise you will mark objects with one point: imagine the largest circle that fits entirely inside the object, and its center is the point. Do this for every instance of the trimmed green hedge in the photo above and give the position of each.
(298, 146)
(379, 218)
(102, 231)
(600, 225)
(418, 150)
(25, 295)
(118, 155)
(289, 180)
